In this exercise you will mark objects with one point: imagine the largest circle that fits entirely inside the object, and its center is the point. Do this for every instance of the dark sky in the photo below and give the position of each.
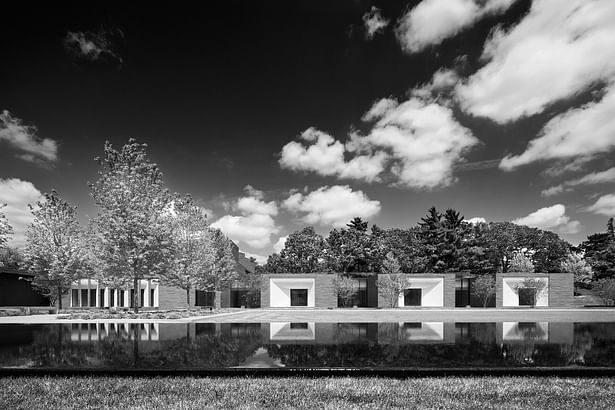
(218, 91)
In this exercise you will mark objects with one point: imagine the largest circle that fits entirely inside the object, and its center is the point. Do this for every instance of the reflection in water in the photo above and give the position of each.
(306, 344)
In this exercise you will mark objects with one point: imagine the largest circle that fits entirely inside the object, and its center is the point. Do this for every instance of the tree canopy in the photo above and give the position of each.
(53, 251)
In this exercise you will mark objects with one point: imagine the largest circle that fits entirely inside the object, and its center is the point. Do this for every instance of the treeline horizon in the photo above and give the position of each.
(445, 242)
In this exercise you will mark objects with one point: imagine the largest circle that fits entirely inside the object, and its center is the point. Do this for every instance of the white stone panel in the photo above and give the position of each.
(432, 290)
(279, 290)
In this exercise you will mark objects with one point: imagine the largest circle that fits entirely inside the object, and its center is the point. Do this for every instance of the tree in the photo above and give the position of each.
(444, 239)
(406, 247)
(223, 271)
(135, 238)
(346, 288)
(521, 263)
(5, 228)
(353, 249)
(53, 250)
(432, 239)
(502, 240)
(303, 252)
(192, 247)
(599, 250)
(484, 287)
(581, 270)
(537, 284)
(274, 264)
(10, 257)
(392, 283)
(605, 288)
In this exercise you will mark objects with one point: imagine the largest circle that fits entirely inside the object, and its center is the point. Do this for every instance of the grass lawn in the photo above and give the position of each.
(333, 393)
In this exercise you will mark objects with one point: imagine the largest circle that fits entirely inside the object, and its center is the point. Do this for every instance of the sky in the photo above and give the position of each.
(278, 115)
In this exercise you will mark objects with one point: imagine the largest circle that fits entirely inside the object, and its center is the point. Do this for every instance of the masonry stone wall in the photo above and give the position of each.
(173, 298)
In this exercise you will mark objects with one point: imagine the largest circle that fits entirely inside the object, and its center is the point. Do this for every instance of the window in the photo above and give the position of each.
(92, 298)
(101, 297)
(527, 296)
(84, 298)
(413, 297)
(202, 298)
(151, 297)
(298, 297)
(120, 297)
(75, 297)
(299, 326)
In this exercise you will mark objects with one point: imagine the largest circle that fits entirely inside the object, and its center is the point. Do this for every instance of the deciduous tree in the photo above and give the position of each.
(303, 252)
(53, 251)
(484, 287)
(132, 200)
(392, 283)
(223, 270)
(581, 270)
(5, 228)
(345, 288)
(193, 254)
(521, 263)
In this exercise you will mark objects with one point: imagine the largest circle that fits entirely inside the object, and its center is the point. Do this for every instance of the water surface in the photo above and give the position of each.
(398, 345)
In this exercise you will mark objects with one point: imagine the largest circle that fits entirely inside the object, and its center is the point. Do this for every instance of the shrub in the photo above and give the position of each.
(483, 287)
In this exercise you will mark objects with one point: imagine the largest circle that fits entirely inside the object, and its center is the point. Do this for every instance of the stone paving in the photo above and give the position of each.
(363, 315)
(411, 315)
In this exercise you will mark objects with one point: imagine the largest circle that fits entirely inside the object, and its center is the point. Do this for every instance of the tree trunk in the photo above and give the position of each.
(188, 297)
(59, 299)
(135, 299)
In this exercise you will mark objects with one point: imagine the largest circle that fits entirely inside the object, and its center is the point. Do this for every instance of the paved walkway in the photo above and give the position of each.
(360, 315)
(411, 315)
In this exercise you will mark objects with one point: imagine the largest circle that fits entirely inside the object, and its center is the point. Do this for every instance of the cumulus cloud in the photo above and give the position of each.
(255, 224)
(605, 205)
(17, 195)
(433, 21)
(419, 142)
(581, 132)
(440, 86)
(94, 45)
(550, 218)
(321, 153)
(424, 139)
(332, 205)
(476, 220)
(557, 50)
(280, 243)
(374, 22)
(23, 138)
(589, 179)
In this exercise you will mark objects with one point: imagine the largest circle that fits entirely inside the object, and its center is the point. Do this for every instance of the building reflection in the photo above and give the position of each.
(91, 332)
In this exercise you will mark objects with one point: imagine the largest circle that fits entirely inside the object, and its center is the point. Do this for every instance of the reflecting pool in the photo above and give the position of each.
(203, 346)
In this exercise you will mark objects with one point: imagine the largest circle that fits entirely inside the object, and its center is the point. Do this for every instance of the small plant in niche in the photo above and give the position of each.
(537, 285)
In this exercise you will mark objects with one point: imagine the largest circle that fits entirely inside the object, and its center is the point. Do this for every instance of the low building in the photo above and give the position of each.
(89, 293)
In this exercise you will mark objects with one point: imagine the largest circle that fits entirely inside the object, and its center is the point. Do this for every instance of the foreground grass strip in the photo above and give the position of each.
(328, 393)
